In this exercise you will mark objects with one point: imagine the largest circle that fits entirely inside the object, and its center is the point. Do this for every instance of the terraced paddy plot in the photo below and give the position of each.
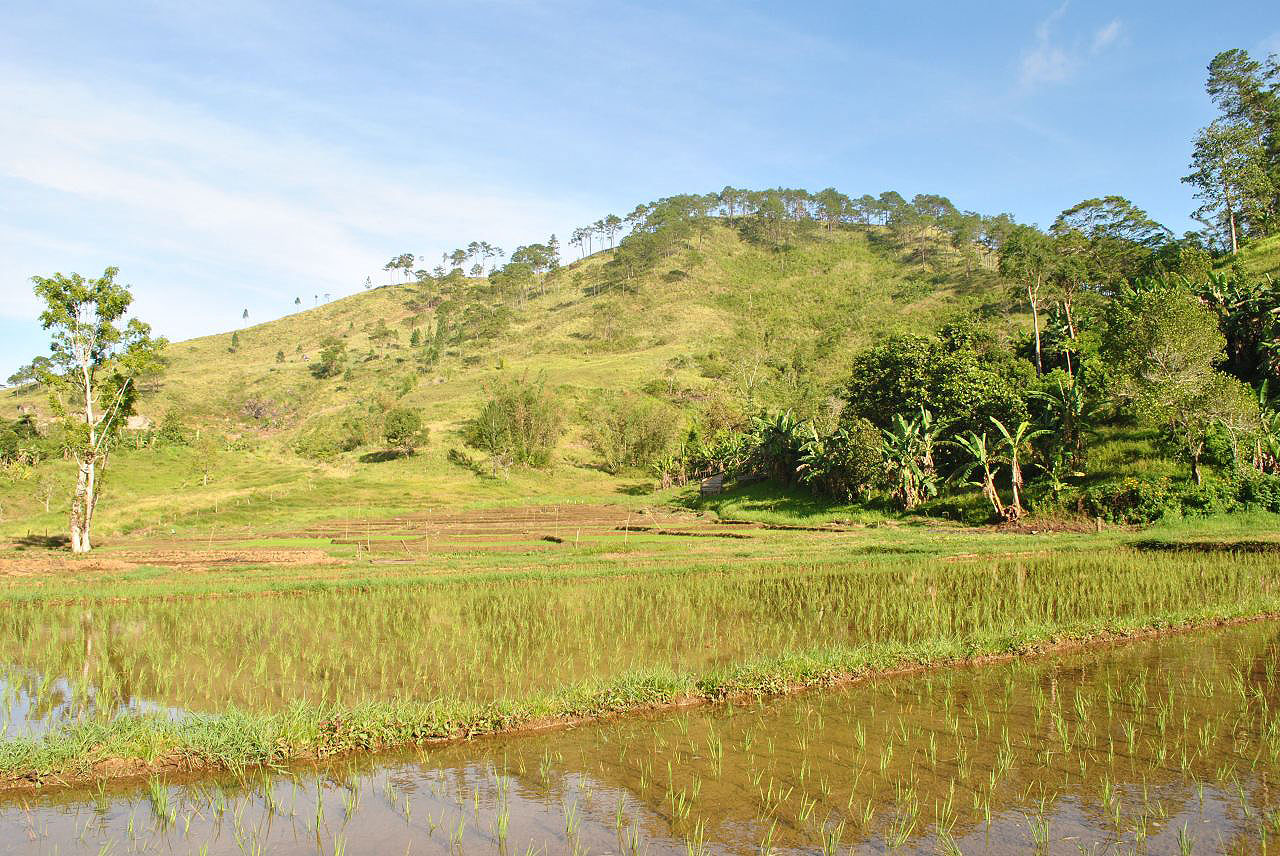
(1163, 746)
(500, 643)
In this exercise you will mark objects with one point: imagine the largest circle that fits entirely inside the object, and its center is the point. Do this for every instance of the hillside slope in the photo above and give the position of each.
(1260, 258)
(723, 314)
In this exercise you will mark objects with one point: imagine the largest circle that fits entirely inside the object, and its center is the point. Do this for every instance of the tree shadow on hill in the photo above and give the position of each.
(42, 542)
(641, 488)
(383, 456)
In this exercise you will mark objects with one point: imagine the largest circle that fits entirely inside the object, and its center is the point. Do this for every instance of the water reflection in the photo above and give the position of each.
(1164, 746)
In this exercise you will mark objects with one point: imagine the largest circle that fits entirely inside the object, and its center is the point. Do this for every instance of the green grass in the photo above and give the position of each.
(1259, 258)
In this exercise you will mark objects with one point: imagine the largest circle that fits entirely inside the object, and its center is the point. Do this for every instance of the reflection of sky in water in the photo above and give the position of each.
(30, 705)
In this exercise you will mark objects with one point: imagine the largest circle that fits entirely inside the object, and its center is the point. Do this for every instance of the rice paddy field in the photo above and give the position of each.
(616, 679)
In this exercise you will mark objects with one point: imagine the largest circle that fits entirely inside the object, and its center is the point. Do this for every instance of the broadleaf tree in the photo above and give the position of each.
(92, 376)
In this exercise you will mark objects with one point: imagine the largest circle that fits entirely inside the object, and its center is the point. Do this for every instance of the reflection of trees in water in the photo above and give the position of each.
(89, 678)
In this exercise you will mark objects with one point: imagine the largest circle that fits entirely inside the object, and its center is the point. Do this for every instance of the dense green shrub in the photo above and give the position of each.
(1135, 500)
(847, 464)
(519, 424)
(1211, 496)
(962, 379)
(403, 430)
(1261, 492)
(1130, 500)
(173, 430)
(631, 432)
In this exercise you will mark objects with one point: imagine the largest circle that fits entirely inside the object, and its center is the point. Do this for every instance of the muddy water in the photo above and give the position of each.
(1164, 746)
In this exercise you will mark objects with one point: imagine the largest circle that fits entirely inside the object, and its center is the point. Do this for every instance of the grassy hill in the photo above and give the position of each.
(721, 316)
(1260, 257)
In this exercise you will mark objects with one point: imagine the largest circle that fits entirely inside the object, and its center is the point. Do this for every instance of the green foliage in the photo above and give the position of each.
(945, 376)
(324, 438)
(173, 430)
(519, 424)
(631, 432)
(333, 355)
(1235, 165)
(1130, 500)
(1248, 311)
(1163, 345)
(93, 375)
(1138, 500)
(908, 455)
(981, 459)
(403, 430)
(21, 442)
(30, 373)
(777, 440)
(846, 465)
(1260, 491)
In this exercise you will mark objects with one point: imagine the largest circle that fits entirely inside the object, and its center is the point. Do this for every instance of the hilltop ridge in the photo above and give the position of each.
(720, 313)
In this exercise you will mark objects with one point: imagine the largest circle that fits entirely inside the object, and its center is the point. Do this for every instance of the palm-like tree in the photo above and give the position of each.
(908, 451)
(1016, 442)
(1070, 413)
(983, 459)
(1266, 442)
(780, 439)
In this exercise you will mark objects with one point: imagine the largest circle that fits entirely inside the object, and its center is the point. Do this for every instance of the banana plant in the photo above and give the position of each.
(1070, 413)
(779, 440)
(908, 453)
(1266, 442)
(1016, 442)
(981, 459)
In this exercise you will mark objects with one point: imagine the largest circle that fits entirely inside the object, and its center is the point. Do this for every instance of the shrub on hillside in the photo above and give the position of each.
(173, 430)
(333, 355)
(403, 430)
(631, 432)
(21, 443)
(323, 438)
(519, 424)
(321, 442)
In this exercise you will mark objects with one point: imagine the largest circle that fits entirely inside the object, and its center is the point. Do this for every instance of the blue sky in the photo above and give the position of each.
(243, 154)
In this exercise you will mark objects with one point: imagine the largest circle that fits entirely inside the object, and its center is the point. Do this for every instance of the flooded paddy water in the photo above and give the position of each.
(1169, 745)
(512, 638)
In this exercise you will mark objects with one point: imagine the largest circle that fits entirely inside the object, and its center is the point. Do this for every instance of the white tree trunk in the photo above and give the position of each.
(82, 507)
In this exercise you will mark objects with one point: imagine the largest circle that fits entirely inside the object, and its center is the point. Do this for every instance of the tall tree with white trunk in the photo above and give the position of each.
(92, 376)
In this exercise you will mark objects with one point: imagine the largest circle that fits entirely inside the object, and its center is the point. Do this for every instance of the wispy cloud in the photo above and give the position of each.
(1107, 35)
(1051, 59)
(239, 214)
(1046, 61)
